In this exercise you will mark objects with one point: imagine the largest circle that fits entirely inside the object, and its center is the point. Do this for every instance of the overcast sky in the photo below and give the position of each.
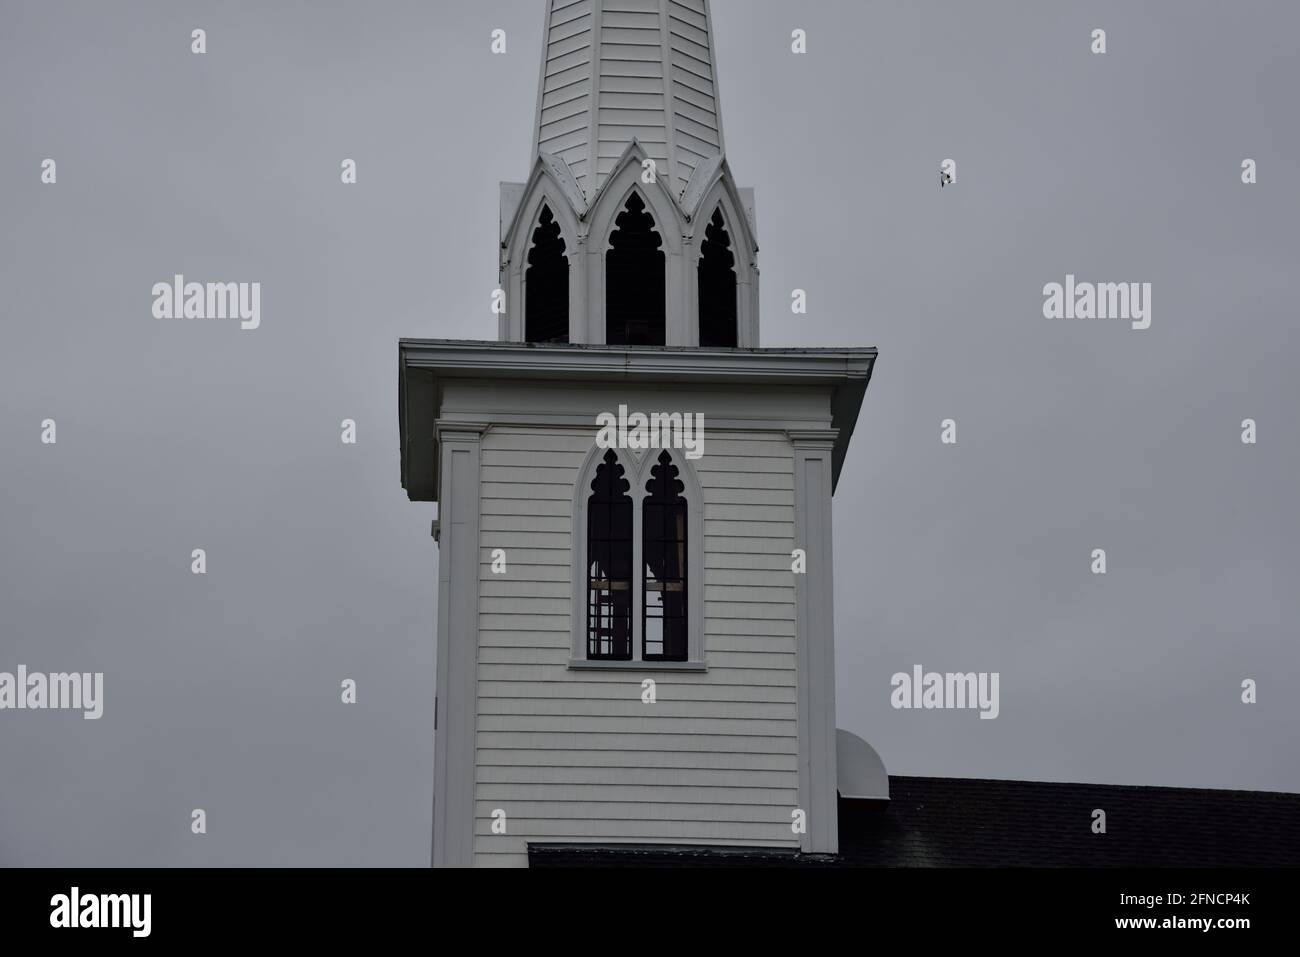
(222, 691)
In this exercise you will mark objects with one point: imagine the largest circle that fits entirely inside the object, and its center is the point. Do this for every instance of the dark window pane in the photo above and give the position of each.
(609, 563)
(620, 520)
(546, 284)
(652, 521)
(674, 639)
(717, 284)
(634, 279)
(663, 548)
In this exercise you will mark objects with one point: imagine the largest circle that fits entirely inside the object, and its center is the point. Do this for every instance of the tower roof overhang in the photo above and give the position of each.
(426, 365)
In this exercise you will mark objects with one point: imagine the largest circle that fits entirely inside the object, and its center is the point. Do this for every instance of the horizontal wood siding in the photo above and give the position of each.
(575, 755)
(566, 85)
(631, 97)
(694, 100)
(629, 69)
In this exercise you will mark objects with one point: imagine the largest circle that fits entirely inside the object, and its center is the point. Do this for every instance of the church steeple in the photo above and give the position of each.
(630, 224)
(629, 270)
(618, 70)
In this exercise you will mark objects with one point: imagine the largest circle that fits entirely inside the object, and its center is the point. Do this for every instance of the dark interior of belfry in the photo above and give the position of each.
(635, 282)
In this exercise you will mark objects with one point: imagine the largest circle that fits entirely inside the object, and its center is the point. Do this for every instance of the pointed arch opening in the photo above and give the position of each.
(717, 285)
(546, 283)
(638, 581)
(635, 297)
(664, 556)
(609, 563)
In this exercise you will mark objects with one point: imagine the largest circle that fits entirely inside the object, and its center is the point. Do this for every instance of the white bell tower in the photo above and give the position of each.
(635, 635)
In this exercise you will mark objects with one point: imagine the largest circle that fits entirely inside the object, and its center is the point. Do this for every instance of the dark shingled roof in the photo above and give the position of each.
(966, 822)
(969, 822)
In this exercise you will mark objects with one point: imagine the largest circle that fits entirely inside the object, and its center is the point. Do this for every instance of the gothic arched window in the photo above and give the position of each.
(717, 283)
(638, 553)
(609, 564)
(663, 559)
(634, 279)
(546, 284)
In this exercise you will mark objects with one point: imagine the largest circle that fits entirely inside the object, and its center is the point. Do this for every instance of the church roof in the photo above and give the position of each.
(615, 71)
(970, 822)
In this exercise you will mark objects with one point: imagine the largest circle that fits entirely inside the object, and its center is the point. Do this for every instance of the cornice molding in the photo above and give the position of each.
(507, 359)
(813, 438)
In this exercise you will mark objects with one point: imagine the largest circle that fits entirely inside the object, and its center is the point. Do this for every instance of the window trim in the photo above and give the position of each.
(722, 195)
(662, 251)
(526, 267)
(618, 475)
(542, 190)
(637, 465)
(698, 258)
(671, 225)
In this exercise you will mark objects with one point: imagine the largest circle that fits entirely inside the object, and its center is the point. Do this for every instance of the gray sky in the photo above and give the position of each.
(222, 690)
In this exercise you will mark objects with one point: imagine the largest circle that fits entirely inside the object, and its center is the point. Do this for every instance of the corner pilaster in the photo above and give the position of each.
(455, 714)
(815, 639)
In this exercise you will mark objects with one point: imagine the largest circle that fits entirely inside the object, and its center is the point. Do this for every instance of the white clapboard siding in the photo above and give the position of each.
(742, 660)
(654, 722)
(694, 97)
(738, 677)
(544, 572)
(721, 551)
(566, 83)
(615, 690)
(737, 560)
(776, 579)
(575, 755)
(721, 642)
(637, 810)
(631, 49)
(619, 70)
(702, 760)
(631, 706)
(638, 741)
(631, 784)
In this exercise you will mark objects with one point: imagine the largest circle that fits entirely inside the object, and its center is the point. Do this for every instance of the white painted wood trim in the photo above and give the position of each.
(581, 664)
(591, 180)
(457, 655)
(722, 194)
(522, 244)
(717, 87)
(815, 639)
(622, 183)
(541, 78)
(637, 472)
(695, 640)
(670, 119)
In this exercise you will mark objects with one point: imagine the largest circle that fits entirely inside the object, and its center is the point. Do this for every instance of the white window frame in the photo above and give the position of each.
(637, 465)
